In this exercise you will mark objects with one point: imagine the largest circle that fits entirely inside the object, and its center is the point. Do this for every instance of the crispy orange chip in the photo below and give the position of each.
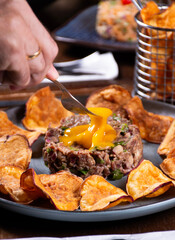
(168, 143)
(112, 97)
(147, 181)
(97, 194)
(168, 166)
(153, 127)
(15, 151)
(43, 109)
(62, 188)
(152, 16)
(8, 128)
(160, 47)
(149, 10)
(10, 184)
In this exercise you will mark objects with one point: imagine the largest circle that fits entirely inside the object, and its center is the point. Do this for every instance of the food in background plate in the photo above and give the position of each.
(147, 181)
(63, 188)
(115, 20)
(43, 109)
(98, 194)
(7, 128)
(10, 185)
(107, 145)
(153, 127)
(15, 151)
(113, 97)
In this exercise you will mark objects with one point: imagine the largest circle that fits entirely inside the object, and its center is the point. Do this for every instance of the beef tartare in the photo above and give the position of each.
(110, 161)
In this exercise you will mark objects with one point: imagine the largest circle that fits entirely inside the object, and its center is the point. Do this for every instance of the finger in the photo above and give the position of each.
(36, 61)
(52, 73)
(47, 44)
(37, 69)
(17, 73)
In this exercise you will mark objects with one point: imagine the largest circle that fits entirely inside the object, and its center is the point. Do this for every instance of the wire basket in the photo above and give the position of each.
(154, 76)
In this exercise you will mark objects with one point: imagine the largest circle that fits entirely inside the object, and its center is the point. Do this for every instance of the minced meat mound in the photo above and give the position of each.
(109, 162)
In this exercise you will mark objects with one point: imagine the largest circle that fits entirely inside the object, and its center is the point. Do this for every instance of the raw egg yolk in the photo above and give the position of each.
(98, 133)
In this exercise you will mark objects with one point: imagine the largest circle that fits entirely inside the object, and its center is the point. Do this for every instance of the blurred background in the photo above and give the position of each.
(53, 13)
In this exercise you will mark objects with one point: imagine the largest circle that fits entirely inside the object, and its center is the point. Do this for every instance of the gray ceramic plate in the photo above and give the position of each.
(81, 30)
(141, 207)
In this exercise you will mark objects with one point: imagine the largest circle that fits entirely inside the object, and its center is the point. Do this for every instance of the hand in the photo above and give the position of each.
(22, 35)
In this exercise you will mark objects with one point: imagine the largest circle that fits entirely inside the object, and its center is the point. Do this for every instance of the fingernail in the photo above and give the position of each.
(52, 73)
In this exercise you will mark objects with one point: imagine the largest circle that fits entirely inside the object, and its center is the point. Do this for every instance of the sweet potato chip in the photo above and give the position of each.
(8, 128)
(15, 151)
(43, 109)
(10, 185)
(149, 10)
(147, 181)
(152, 16)
(97, 194)
(168, 143)
(112, 97)
(168, 167)
(153, 127)
(62, 188)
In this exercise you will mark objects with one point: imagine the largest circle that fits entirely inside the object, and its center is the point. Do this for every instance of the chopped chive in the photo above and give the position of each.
(117, 174)
(49, 150)
(115, 117)
(84, 171)
(124, 128)
(122, 143)
(99, 160)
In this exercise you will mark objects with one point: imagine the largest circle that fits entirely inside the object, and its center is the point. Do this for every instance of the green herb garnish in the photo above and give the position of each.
(49, 150)
(97, 148)
(115, 117)
(124, 128)
(99, 160)
(117, 174)
(63, 128)
(84, 171)
(122, 143)
(73, 148)
(63, 167)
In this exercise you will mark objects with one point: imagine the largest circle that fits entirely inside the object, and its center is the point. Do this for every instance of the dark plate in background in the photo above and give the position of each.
(138, 208)
(81, 30)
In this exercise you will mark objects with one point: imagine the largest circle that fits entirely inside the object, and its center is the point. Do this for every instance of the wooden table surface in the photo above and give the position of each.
(13, 225)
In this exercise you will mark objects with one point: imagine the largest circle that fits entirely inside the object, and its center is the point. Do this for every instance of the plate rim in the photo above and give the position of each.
(95, 216)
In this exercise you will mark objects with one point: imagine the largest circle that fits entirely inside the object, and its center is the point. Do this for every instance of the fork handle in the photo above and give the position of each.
(60, 85)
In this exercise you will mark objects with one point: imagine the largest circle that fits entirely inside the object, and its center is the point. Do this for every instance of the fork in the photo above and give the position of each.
(70, 102)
